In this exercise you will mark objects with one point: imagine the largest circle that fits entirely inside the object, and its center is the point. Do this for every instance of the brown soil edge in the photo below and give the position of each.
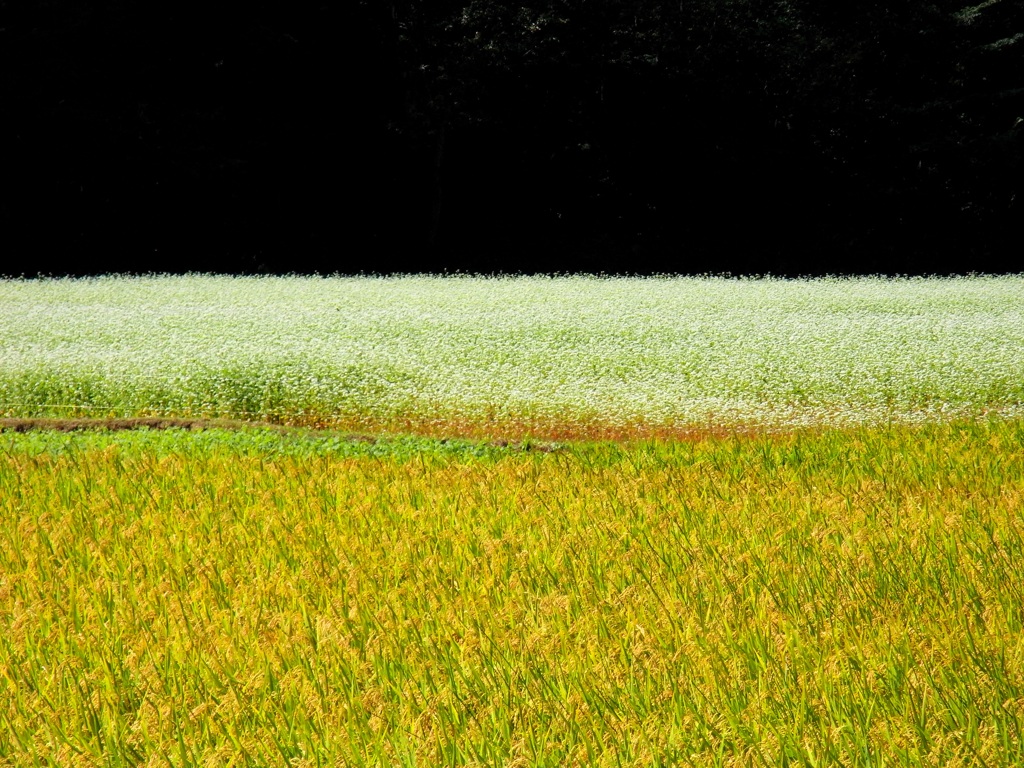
(117, 425)
(498, 433)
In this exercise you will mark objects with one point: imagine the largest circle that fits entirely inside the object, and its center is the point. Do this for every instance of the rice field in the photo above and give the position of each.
(806, 548)
(839, 597)
(519, 355)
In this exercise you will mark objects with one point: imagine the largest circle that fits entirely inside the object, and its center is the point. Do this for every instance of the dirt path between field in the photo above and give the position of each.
(114, 425)
(507, 433)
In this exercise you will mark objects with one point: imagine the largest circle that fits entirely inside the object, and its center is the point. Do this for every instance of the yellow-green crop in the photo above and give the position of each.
(847, 597)
(401, 353)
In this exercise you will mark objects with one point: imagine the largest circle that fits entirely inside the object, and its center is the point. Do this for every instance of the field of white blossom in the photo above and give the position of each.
(663, 351)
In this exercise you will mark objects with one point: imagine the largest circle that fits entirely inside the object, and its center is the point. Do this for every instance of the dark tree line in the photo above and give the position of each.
(784, 136)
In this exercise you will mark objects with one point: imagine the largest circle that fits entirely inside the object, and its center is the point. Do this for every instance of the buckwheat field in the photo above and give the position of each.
(803, 546)
(654, 352)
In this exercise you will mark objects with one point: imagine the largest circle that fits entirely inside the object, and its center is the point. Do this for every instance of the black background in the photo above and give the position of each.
(745, 137)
